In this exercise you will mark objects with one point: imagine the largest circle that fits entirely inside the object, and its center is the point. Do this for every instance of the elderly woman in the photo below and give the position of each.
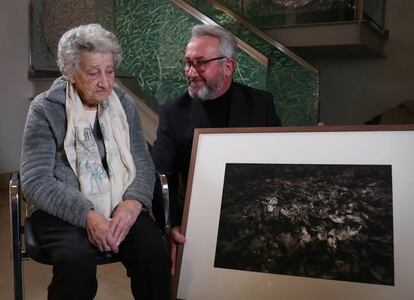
(87, 173)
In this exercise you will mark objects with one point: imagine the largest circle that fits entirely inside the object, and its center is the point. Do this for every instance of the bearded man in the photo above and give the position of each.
(212, 100)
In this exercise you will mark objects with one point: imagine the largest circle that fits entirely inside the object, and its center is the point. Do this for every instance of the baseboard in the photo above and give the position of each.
(4, 181)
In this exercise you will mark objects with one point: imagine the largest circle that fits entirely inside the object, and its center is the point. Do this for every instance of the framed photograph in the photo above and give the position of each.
(299, 213)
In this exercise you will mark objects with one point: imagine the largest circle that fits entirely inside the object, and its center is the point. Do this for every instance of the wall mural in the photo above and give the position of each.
(50, 19)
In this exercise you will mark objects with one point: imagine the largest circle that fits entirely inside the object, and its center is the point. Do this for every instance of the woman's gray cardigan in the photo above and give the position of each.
(48, 181)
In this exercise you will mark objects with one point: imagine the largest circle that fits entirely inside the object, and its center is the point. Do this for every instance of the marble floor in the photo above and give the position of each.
(112, 280)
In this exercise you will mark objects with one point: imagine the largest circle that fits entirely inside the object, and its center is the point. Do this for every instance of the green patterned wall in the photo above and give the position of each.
(153, 35)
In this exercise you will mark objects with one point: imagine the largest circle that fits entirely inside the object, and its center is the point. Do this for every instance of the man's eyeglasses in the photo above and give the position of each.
(199, 65)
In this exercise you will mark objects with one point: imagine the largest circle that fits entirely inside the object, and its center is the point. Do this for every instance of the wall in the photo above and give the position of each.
(353, 91)
(15, 88)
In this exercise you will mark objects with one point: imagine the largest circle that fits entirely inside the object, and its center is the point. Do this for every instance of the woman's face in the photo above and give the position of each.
(94, 78)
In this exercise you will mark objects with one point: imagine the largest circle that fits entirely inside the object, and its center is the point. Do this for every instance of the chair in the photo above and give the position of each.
(25, 246)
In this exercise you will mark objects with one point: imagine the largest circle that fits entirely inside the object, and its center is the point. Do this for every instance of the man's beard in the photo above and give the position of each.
(209, 90)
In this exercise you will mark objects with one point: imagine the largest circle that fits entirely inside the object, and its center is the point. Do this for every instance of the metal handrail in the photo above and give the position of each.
(261, 58)
(265, 37)
(166, 202)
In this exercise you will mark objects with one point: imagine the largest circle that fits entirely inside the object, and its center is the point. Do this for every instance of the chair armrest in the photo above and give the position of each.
(166, 202)
(14, 199)
(15, 221)
(161, 204)
(17, 254)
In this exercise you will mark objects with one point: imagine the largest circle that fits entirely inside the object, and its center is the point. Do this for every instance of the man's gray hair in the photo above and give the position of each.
(227, 41)
(90, 38)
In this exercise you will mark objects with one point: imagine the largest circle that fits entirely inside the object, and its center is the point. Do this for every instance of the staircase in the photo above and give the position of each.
(319, 28)
(153, 35)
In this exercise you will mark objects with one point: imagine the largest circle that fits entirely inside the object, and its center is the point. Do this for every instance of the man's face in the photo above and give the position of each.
(215, 80)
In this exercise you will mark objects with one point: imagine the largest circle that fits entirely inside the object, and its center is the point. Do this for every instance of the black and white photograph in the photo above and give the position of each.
(326, 221)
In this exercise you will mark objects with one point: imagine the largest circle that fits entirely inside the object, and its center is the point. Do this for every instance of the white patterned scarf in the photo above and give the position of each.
(81, 149)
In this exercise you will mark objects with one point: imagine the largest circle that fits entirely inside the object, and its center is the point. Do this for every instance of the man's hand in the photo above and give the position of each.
(123, 217)
(99, 234)
(176, 238)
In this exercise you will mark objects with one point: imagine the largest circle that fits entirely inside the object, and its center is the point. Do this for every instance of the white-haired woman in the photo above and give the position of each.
(87, 173)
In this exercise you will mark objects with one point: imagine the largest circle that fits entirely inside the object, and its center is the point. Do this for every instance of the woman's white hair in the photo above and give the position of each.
(227, 41)
(90, 38)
